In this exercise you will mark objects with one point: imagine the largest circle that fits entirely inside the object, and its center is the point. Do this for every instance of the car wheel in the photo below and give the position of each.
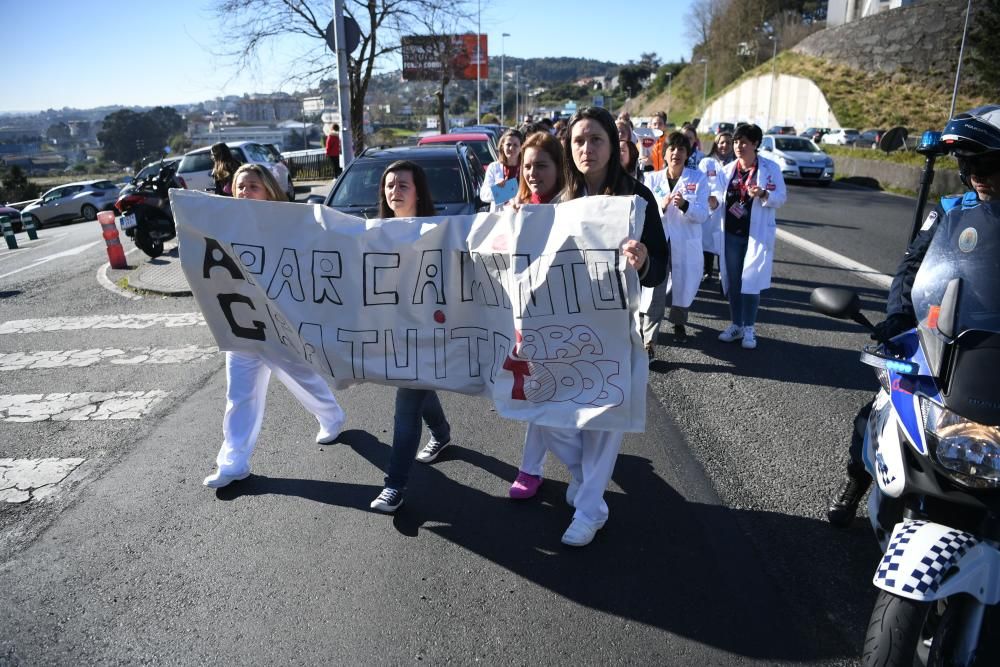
(89, 212)
(35, 219)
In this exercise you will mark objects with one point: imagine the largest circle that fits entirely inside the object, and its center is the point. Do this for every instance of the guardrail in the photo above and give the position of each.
(308, 165)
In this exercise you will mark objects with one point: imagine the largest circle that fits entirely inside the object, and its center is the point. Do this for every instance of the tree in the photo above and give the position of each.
(15, 186)
(459, 105)
(251, 24)
(58, 133)
(630, 78)
(127, 136)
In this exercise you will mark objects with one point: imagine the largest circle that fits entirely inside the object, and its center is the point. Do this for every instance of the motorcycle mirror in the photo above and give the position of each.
(893, 139)
(840, 303)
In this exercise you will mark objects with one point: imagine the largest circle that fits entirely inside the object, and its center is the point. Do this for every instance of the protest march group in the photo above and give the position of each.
(549, 304)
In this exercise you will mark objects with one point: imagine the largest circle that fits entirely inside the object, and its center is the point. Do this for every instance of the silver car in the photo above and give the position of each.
(799, 158)
(72, 201)
(195, 168)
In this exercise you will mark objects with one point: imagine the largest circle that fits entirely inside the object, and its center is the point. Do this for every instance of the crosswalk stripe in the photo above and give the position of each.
(18, 361)
(45, 324)
(84, 406)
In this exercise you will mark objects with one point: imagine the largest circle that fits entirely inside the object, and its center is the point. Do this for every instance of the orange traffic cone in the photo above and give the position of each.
(116, 254)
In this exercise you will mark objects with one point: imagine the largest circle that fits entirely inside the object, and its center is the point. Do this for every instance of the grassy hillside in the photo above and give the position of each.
(859, 99)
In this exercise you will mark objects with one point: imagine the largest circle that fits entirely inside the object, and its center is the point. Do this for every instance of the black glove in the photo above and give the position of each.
(892, 326)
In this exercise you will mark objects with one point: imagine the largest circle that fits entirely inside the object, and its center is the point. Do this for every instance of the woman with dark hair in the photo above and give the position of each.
(593, 168)
(755, 189)
(403, 193)
(224, 166)
(682, 194)
(711, 165)
(629, 155)
(505, 167)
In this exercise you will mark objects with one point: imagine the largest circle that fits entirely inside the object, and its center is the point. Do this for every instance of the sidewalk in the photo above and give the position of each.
(163, 274)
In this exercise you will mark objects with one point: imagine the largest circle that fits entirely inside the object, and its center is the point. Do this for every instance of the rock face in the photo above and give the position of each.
(922, 39)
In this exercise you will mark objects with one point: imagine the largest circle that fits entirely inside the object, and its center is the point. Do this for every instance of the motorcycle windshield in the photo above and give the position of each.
(966, 246)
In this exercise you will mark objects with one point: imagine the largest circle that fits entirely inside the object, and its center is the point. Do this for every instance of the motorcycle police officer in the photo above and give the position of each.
(974, 139)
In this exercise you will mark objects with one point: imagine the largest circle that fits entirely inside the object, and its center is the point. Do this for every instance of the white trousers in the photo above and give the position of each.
(590, 457)
(533, 457)
(247, 377)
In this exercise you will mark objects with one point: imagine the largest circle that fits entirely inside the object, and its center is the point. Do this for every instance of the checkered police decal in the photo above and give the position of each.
(931, 553)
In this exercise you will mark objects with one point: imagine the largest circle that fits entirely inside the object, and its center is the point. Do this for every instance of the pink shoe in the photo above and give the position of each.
(525, 486)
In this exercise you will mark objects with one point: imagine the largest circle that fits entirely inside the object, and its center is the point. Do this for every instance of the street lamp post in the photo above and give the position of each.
(502, 50)
(517, 93)
(770, 97)
(670, 81)
(479, 59)
(704, 86)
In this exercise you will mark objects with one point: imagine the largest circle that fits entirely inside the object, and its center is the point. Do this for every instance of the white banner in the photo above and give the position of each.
(532, 308)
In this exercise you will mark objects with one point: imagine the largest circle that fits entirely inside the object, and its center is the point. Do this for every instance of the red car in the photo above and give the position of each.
(480, 143)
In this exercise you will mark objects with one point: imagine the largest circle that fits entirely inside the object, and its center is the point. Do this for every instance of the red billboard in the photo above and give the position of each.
(424, 57)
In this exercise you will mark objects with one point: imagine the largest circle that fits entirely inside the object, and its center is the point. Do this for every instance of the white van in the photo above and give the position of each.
(195, 169)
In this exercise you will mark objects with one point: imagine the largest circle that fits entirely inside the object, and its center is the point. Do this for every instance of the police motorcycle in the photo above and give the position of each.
(145, 209)
(932, 445)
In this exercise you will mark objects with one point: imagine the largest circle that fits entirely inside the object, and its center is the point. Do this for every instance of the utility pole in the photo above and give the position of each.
(343, 85)
(770, 98)
(517, 94)
(502, 51)
(479, 60)
(704, 87)
(670, 81)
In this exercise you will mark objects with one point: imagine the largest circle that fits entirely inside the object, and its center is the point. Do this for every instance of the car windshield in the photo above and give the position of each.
(195, 162)
(796, 144)
(359, 185)
(104, 185)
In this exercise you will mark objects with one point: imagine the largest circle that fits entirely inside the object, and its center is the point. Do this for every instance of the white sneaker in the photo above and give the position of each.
(580, 533)
(749, 338)
(432, 450)
(217, 480)
(328, 435)
(731, 333)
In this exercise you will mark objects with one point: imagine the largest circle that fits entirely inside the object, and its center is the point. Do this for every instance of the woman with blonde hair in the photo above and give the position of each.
(505, 167)
(247, 374)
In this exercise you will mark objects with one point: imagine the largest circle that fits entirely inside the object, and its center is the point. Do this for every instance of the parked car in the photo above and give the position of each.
(799, 158)
(715, 128)
(195, 168)
(71, 201)
(493, 130)
(814, 134)
(454, 175)
(781, 129)
(14, 215)
(842, 137)
(480, 142)
(870, 138)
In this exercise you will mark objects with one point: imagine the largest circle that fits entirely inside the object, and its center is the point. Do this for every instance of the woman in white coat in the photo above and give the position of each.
(682, 195)
(717, 158)
(247, 374)
(755, 190)
(504, 169)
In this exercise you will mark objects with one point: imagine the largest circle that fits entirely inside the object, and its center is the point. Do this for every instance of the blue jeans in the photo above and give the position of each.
(742, 307)
(412, 406)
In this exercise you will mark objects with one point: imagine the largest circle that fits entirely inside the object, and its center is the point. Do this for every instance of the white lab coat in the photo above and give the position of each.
(684, 230)
(760, 250)
(711, 237)
(494, 175)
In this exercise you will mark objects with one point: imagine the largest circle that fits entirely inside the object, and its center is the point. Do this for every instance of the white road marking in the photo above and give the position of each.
(48, 258)
(44, 324)
(89, 406)
(862, 271)
(18, 361)
(26, 245)
(22, 480)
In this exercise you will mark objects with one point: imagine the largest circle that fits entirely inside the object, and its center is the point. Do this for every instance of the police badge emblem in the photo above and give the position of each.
(967, 239)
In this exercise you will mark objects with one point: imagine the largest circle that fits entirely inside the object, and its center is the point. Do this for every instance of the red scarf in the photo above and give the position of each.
(540, 199)
(508, 172)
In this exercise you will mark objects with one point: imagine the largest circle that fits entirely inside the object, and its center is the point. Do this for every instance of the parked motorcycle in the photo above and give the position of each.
(145, 210)
(933, 446)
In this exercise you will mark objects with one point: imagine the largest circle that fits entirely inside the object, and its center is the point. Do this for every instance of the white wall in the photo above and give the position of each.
(793, 101)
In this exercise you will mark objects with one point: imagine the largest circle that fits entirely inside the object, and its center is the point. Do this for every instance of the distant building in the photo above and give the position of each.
(268, 109)
(228, 133)
(839, 12)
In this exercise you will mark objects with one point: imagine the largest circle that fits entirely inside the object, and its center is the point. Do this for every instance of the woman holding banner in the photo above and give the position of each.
(504, 169)
(593, 168)
(247, 375)
(543, 179)
(404, 193)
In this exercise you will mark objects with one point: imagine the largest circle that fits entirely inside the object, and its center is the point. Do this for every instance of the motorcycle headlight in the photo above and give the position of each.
(970, 450)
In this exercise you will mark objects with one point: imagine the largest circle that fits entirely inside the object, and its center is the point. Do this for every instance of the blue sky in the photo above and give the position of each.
(87, 53)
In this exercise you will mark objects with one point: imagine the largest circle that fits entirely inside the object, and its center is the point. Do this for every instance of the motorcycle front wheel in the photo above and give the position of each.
(897, 632)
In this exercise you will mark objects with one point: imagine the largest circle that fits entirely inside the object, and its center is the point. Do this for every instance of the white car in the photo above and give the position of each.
(799, 158)
(845, 136)
(195, 169)
(71, 201)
